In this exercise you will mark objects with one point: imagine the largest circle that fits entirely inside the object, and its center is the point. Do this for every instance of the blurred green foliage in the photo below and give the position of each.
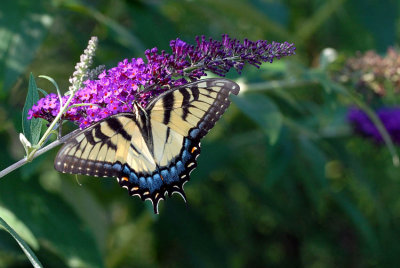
(281, 182)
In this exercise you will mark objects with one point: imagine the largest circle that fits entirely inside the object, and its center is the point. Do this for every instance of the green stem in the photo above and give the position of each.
(50, 128)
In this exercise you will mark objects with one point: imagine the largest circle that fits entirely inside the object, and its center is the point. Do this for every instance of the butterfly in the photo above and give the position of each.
(153, 150)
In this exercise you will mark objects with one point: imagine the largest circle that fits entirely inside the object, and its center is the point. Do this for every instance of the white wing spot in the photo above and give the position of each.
(190, 164)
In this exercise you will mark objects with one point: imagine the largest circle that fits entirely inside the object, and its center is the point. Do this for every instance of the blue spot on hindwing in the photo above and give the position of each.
(185, 156)
(180, 167)
(133, 178)
(107, 166)
(126, 170)
(150, 184)
(166, 176)
(194, 133)
(187, 143)
(157, 181)
(174, 174)
(116, 167)
(142, 183)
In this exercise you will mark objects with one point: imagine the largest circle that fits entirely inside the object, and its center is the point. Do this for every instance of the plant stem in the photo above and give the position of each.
(37, 153)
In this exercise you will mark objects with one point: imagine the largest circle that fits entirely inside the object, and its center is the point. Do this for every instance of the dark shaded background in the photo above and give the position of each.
(282, 180)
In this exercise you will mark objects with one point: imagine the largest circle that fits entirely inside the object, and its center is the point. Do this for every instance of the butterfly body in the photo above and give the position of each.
(153, 150)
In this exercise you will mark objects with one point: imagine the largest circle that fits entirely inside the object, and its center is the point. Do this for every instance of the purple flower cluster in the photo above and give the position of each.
(390, 118)
(115, 90)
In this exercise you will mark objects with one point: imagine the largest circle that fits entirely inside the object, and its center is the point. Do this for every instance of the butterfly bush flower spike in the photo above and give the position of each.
(114, 90)
(49, 107)
(82, 67)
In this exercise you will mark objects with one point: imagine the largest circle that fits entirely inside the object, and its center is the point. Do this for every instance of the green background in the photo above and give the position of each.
(282, 181)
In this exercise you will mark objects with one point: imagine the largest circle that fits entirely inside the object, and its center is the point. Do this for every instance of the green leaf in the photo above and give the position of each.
(43, 92)
(52, 221)
(32, 127)
(19, 227)
(23, 25)
(263, 112)
(28, 252)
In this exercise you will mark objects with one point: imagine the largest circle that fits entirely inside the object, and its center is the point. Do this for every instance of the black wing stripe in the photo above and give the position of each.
(135, 149)
(116, 125)
(89, 137)
(195, 92)
(103, 138)
(185, 102)
(99, 134)
(167, 134)
(168, 103)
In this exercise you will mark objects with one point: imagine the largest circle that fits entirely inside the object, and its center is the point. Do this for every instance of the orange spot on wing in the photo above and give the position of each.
(161, 177)
(125, 179)
(194, 149)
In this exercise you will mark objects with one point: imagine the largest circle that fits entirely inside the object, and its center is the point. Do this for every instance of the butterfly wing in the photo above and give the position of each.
(178, 119)
(161, 160)
(107, 149)
(193, 109)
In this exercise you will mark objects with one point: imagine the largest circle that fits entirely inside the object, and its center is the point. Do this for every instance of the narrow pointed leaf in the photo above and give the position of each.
(42, 91)
(28, 252)
(32, 127)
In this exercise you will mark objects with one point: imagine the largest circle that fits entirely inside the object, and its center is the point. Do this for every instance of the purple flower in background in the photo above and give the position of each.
(390, 118)
(114, 90)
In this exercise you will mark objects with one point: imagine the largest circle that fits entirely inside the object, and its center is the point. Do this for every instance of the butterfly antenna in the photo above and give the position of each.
(147, 89)
(124, 102)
